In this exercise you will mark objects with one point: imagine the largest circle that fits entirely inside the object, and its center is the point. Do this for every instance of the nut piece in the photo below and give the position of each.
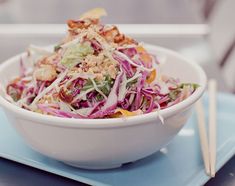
(45, 73)
(112, 71)
(110, 33)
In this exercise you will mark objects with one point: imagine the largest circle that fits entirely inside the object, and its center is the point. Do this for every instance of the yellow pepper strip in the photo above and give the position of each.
(126, 113)
(121, 112)
(115, 115)
(144, 56)
(140, 49)
(152, 76)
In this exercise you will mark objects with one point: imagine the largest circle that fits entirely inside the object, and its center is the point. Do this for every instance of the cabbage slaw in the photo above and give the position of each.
(95, 72)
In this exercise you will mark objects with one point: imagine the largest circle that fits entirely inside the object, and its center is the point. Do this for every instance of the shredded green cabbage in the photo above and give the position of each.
(74, 54)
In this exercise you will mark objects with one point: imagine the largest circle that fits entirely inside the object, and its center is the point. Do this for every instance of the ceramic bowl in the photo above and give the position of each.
(104, 143)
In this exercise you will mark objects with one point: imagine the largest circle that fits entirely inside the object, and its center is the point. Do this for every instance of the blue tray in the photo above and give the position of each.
(178, 164)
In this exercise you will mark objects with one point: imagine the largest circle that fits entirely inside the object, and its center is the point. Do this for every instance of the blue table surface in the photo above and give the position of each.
(15, 174)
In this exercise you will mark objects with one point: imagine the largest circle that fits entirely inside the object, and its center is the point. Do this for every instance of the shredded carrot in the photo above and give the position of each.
(152, 76)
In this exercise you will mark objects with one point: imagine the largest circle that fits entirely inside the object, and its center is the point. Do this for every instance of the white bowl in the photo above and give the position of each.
(104, 143)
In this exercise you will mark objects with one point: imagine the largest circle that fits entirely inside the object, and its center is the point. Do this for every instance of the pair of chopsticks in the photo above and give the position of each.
(208, 145)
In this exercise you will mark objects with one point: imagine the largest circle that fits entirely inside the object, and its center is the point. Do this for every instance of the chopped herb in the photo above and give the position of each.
(105, 86)
(193, 85)
(99, 97)
(132, 82)
(57, 47)
(105, 89)
(108, 79)
(174, 94)
(88, 85)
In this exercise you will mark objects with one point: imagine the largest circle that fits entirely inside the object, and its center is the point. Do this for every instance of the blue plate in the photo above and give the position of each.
(178, 164)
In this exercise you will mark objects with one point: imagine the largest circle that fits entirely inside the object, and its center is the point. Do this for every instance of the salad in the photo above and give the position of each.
(95, 72)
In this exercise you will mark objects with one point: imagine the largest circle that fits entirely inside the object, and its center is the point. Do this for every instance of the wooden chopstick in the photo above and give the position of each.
(208, 148)
(203, 135)
(212, 88)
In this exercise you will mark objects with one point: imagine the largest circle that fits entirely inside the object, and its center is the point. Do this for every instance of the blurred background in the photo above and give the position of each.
(202, 30)
(122, 11)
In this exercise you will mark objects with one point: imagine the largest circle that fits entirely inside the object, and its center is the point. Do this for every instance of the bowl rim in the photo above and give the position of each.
(109, 122)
